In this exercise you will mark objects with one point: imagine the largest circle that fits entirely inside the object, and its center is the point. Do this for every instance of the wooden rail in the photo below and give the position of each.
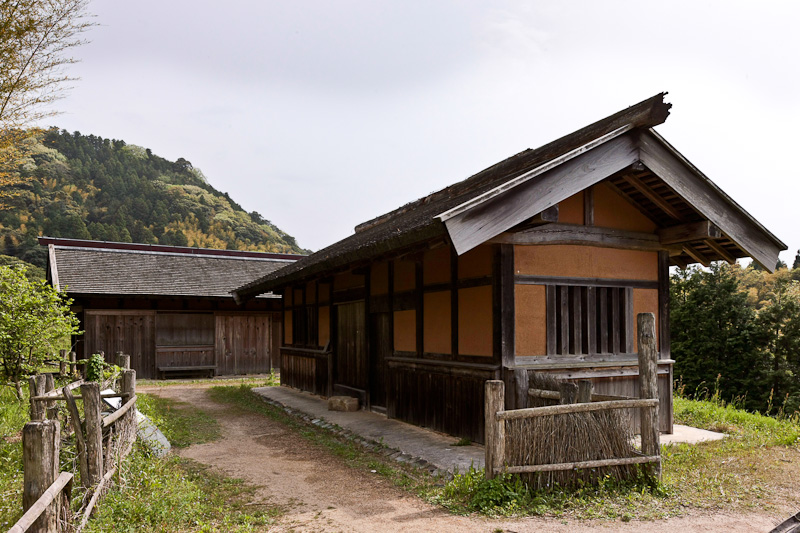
(496, 415)
(116, 415)
(555, 395)
(64, 480)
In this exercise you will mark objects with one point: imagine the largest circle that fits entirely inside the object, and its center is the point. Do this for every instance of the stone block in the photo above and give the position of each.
(342, 403)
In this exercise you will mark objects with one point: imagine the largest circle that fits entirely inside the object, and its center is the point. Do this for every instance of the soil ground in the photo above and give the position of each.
(318, 492)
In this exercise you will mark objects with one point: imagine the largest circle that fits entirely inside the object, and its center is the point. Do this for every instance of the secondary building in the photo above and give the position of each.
(169, 307)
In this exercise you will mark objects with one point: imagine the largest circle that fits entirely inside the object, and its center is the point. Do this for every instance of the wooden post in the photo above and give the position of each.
(495, 429)
(128, 386)
(51, 411)
(521, 389)
(585, 389)
(73, 358)
(123, 361)
(77, 427)
(62, 363)
(568, 392)
(41, 442)
(36, 386)
(94, 433)
(648, 387)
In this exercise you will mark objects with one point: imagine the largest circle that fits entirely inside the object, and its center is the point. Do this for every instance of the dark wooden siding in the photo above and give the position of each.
(183, 356)
(243, 343)
(351, 353)
(132, 332)
(438, 397)
(304, 371)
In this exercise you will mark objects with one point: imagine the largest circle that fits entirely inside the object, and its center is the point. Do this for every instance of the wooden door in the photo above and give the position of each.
(380, 344)
(242, 344)
(351, 356)
(131, 332)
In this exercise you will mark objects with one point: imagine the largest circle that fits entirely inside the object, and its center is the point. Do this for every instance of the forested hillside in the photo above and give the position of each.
(88, 187)
(736, 331)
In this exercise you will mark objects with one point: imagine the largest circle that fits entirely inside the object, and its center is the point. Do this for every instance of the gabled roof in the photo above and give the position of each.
(621, 149)
(100, 268)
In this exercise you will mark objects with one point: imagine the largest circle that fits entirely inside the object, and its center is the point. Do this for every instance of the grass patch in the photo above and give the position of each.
(266, 380)
(174, 494)
(182, 423)
(13, 415)
(352, 453)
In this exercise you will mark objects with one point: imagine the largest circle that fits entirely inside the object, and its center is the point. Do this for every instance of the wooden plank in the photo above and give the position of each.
(507, 311)
(653, 196)
(582, 235)
(615, 319)
(479, 223)
(27, 520)
(525, 279)
(627, 317)
(551, 322)
(581, 464)
(552, 410)
(591, 320)
(693, 231)
(663, 307)
(577, 325)
(564, 317)
(603, 319)
(588, 206)
(699, 192)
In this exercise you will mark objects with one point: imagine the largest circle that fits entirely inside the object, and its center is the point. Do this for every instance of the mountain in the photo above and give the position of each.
(87, 187)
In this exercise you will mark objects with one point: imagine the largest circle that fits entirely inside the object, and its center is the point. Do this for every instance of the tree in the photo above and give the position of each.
(35, 38)
(34, 320)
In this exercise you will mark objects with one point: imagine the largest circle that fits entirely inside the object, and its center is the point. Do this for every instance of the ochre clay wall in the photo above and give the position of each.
(612, 211)
(405, 277)
(379, 279)
(644, 301)
(476, 263)
(570, 211)
(405, 331)
(437, 336)
(475, 321)
(287, 327)
(436, 266)
(324, 325)
(531, 319)
(585, 262)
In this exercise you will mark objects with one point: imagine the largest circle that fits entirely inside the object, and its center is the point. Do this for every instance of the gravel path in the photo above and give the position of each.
(320, 493)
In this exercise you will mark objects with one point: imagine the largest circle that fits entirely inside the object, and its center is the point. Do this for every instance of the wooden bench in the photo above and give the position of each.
(210, 369)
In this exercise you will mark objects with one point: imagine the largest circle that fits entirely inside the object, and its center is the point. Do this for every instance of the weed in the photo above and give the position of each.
(180, 422)
(463, 441)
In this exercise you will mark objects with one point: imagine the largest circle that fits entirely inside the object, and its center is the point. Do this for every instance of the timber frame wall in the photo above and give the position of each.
(402, 350)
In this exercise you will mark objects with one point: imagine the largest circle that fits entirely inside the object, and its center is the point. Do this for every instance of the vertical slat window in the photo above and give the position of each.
(585, 320)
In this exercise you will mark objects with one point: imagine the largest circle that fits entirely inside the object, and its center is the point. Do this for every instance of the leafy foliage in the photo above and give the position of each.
(739, 328)
(95, 367)
(34, 319)
(88, 187)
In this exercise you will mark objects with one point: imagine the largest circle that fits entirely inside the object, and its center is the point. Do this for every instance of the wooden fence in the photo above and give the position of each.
(47, 493)
(496, 415)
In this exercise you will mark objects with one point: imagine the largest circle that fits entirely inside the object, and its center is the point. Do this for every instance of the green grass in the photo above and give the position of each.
(266, 380)
(174, 494)
(180, 422)
(13, 415)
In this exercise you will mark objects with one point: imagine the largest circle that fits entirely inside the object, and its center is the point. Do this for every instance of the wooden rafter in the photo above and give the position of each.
(697, 256)
(653, 196)
(720, 251)
(693, 231)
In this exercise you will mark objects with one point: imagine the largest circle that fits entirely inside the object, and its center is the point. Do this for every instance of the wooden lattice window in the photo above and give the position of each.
(589, 320)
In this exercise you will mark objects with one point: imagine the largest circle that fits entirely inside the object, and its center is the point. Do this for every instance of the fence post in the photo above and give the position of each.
(128, 386)
(73, 359)
(495, 429)
(123, 361)
(41, 442)
(568, 392)
(51, 410)
(522, 383)
(62, 363)
(36, 386)
(585, 389)
(94, 433)
(648, 387)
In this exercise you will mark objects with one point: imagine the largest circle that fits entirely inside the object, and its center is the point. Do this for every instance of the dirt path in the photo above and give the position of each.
(320, 493)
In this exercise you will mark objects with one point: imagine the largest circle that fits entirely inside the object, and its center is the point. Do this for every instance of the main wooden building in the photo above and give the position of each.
(169, 307)
(538, 263)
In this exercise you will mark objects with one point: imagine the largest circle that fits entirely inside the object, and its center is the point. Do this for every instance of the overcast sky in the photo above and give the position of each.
(321, 115)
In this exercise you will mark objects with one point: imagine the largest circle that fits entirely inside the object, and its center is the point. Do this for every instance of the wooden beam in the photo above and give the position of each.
(699, 192)
(693, 231)
(585, 235)
(653, 196)
(678, 262)
(547, 216)
(697, 256)
(720, 251)
(481, 222)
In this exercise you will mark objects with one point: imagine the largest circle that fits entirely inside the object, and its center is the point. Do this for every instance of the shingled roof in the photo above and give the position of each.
(436, 215)
(124, 269)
